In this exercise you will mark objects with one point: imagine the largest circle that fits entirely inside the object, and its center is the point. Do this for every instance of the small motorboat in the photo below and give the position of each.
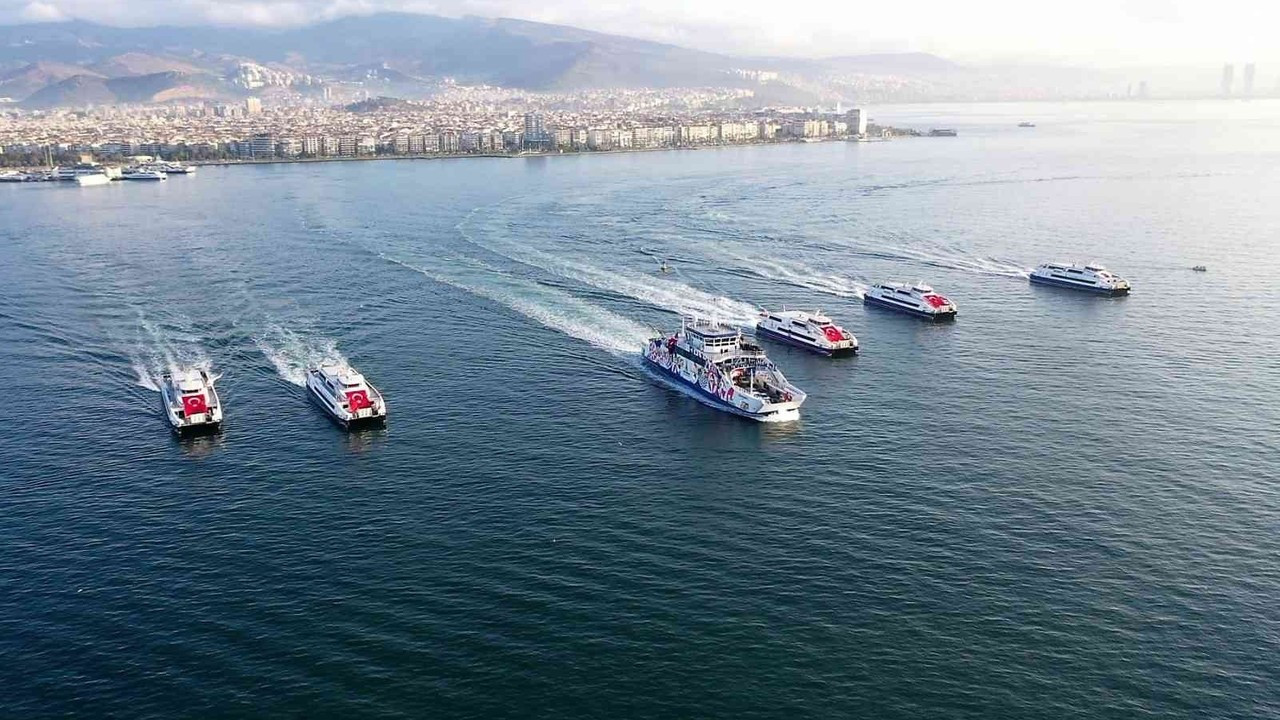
(1200, 268)
(345, 395)
(190, 401)
(663, 267)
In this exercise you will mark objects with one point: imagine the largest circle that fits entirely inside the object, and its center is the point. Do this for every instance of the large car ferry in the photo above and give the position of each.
(345, 395)
(1090, 278)
(918, 300)
(189, 400)
(812, 331)
(725, 371)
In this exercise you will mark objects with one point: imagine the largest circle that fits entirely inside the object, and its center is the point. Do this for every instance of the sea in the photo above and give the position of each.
(1059, 506)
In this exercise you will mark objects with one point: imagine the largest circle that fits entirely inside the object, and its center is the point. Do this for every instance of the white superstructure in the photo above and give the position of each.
(190, 401)
(725, 371)
(142, 173)
(811, 331)
(919, 300)
(1090, 278)
(345, 395)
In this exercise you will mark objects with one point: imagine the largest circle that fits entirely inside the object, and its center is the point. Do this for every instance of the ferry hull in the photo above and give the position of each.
(780, 415)
(931, 317)
(1053, 282)
(829, 352)
(340, 416)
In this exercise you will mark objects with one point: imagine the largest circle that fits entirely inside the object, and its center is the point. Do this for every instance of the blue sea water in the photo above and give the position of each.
(1058, 506)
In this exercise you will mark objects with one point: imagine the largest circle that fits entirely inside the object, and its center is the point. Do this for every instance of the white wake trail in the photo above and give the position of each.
(164, 348)
(554, 309)
(292, 352)
(661, 293)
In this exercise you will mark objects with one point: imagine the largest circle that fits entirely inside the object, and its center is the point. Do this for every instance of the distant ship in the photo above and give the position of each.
(345, 395)
(1200, 268)
(1091, 278)
(725, 371)
(919, 300)
(142, 173)
(943, 132)
(1026, 124)
(811, 331)
(189, 400)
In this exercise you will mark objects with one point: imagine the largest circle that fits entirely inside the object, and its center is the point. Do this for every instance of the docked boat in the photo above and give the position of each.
(91, 179)
(345, 395)
(141, 173)
(811, 331)
(69, 173)
(12, 176)
(726, 371)
(919, 300)
(172, 168)
(190, 400)
(1090, 278)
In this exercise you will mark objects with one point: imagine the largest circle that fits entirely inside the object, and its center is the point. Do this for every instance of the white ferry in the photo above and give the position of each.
(811, 331)
(174, 168)
(345, 395)
(1091, 278)
(190, 402)
(142, 173)
(725, 371)
(918, 300)
(70, 173)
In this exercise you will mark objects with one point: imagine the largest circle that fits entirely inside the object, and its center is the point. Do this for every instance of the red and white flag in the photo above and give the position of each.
(194, 405)
(358, 400)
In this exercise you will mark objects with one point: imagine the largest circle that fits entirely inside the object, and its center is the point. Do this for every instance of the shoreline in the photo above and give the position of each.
(229, 162)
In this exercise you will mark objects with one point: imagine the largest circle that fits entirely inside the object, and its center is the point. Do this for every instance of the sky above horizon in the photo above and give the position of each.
(1099, 33)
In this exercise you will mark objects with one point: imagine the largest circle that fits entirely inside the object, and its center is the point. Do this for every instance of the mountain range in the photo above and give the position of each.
(73, 63)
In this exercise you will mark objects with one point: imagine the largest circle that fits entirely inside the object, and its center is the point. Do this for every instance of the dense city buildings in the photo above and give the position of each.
(459, 120)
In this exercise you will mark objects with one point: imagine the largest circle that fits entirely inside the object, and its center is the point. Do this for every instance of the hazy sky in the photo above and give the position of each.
(1090, 32)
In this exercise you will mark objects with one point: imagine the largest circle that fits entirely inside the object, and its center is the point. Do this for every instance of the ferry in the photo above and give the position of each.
(919, 300)
(1090, 278)
(726, 371)
(811, 331)
(942, 132)
(345, 395)
(12, 176)
(72, 172)
(174, 168)
(140, 173)
(190, 401)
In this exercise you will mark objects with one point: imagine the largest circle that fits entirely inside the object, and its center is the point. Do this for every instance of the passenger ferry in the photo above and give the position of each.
(190, 401)
(918, 300)
(725, 371)
(345, 395)
(1090, 278)
(811, 331)
(142, 173)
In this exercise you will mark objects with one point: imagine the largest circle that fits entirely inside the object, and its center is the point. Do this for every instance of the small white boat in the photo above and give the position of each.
(919, 300)
(92, 179)
(12, 176)
(1090, 278)
(345, 395)
(811, 331)
(173, 168)
(190, 400)
(138, 173)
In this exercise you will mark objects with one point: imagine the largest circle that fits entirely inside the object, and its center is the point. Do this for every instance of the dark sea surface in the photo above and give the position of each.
(1058, 506)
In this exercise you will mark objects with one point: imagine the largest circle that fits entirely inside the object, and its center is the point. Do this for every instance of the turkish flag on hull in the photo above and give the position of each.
(358, 400)
(194, 405)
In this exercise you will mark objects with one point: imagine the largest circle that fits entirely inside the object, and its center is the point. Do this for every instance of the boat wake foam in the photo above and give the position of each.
(292, 353)
(164, 348)
(800, 275)
(659, 293)
(552, 308)
(952, 259)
